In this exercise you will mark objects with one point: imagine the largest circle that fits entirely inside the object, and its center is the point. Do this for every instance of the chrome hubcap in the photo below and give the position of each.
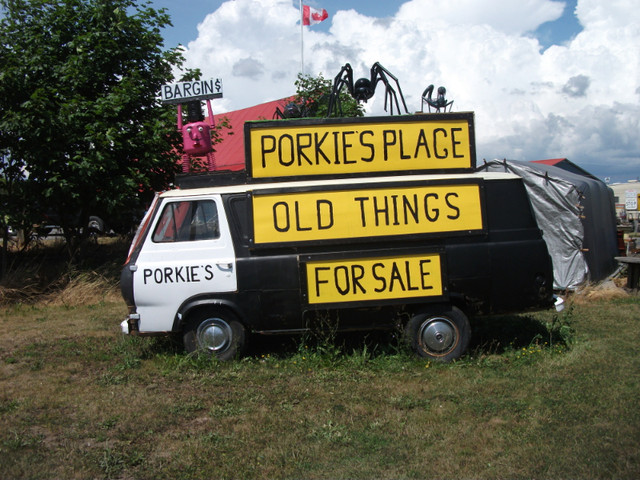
(214, 334)
(438, 335)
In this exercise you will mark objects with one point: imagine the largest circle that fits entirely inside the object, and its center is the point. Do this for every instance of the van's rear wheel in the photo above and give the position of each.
(217, 333)
(439, 333)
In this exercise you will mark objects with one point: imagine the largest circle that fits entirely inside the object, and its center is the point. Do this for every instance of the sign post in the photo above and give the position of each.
(631, 200)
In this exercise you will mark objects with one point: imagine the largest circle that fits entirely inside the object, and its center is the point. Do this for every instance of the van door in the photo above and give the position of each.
(187, 252)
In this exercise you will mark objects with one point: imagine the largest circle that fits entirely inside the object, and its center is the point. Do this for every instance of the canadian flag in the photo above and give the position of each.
(311, 16)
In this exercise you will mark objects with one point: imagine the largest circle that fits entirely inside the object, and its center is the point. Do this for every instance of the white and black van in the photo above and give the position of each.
(369, 222)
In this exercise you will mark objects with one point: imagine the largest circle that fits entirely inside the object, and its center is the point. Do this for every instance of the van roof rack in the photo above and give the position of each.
(211, 179)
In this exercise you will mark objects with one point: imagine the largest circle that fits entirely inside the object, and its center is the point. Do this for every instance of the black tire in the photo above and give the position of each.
(96, 225)
(439, 333)
(215, 332)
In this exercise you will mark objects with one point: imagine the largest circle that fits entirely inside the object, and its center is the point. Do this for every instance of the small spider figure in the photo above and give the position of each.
(365, 88)
(299, 107)
(440, 103)
(196, 135)
(290, 110)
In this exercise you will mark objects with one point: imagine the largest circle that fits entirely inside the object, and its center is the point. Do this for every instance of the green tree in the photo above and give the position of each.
(79, 108)
(11, 210)
(312, 98)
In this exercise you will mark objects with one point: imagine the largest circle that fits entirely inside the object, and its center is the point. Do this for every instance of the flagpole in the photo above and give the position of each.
(301, 41)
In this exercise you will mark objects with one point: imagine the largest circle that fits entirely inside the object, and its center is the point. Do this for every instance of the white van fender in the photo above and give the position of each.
(196, 303)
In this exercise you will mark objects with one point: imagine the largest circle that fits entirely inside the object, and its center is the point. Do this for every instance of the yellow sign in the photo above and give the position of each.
(316, 148)
(365, 213)
(338, 281)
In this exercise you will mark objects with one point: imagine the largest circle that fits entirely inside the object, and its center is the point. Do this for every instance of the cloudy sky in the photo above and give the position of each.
(546, 79)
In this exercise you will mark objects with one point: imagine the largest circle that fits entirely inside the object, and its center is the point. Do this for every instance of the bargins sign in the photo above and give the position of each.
(183, 92)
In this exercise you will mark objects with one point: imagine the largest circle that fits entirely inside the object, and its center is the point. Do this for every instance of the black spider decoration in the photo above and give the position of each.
(365, 88)
(290, 110)
(439, 103)
(299, 107)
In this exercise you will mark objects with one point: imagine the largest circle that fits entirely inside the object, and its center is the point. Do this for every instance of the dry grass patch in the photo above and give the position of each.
(85, 289)
(44, 274)
(605, 291)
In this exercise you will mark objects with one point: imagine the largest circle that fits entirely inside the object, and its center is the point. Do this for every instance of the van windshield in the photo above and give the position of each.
(187, 221)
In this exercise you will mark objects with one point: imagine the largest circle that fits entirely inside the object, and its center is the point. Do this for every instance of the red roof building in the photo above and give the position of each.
(229, 154)
(567, 165)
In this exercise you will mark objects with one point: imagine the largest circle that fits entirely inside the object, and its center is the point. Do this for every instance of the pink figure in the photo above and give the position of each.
(196, 138)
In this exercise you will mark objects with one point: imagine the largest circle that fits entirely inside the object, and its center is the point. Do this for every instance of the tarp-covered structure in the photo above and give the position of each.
(577, 216)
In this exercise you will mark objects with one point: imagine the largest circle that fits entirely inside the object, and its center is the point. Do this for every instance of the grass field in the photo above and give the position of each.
(538, 396)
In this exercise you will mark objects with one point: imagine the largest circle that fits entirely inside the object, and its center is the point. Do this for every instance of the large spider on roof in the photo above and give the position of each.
(364, 88)
(439, 103)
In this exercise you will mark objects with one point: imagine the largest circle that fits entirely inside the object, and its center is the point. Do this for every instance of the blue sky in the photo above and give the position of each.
(561, 30)
(186, 16)
(544, 78)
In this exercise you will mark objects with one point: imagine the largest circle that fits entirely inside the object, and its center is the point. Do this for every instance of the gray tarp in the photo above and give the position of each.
(577, 217)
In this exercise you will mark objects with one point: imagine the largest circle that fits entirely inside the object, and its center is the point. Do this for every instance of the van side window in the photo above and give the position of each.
(188, 221)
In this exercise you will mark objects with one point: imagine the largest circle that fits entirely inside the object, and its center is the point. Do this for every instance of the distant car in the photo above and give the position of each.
(52, 225)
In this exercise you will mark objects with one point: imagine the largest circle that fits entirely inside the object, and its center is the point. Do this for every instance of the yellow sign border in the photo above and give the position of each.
(360, 146)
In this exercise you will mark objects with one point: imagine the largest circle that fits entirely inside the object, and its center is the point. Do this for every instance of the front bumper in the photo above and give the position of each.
(131, 325)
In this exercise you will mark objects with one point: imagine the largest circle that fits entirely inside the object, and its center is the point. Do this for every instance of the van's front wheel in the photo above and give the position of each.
(441, 334)
(215, 333)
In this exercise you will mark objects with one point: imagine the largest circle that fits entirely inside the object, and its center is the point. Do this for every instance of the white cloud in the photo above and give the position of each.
(579, 100)
(254, 46)
(503, 15)
(248, 67)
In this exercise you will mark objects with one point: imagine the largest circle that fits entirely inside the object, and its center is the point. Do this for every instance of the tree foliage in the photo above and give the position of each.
(82, 131)
(312, 97)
